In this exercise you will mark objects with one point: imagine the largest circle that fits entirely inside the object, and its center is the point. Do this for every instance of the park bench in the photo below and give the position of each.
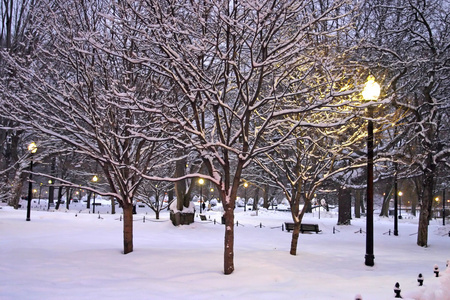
(203, 218)
(303, 227)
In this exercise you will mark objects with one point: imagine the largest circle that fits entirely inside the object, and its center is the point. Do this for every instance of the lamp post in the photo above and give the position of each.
(400, 210)
(245, 195)
(50, 193)
(40, 190)
(94, 180)
(436, 208)
(32, 148)
(201, 182)
(318, 203)
(371, 92)
(443, 207)
(395, 203)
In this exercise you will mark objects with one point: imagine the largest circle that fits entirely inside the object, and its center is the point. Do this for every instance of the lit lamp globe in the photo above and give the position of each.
(94, 180)
(32, 148)
(371, 90)
(201, 182)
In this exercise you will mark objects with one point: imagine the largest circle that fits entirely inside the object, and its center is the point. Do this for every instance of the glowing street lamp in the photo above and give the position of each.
(395, 201)
(211, 190)
(201, 182)
(40, 190)
(400, 211)
(245, 195)
(94, 180)
(50, 193)
(443, 207)
(32, 148)
(371, 92)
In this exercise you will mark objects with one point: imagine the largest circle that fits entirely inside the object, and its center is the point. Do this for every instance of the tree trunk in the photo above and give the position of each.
(295, 235)
(51, 195)
(308, 207)
(180, 185)
(256, 199)
(345, 207)
(413, 204)
(170, 197)
(113, 206)
(229, 239)
(88, 203)
(386, 201)
(69, 192)
(425, 211)
(18, 181)
(297, 217)
(358, 204)
(266, 196)
(127, 228)
(418, 190)
(58, 202)
(363, 209)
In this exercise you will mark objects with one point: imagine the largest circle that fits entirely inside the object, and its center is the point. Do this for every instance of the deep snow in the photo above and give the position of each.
(77, 255)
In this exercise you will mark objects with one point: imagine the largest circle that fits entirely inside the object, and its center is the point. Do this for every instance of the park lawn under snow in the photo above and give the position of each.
(77, 255)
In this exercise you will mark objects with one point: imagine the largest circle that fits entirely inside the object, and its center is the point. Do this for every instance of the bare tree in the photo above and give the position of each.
(155, 195)
(80, 89)
(234, 63)
(16, 22)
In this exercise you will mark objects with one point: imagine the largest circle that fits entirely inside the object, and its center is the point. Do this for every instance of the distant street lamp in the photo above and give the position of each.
(94, 180)
(201, 182)
(395, 202)
(245, 195)
(318, 203)
(371, 92)
(32, 148)
(40, 190)
(437, 208)
(400, 210)
(212, 194)
(443, 207)
(50, 193)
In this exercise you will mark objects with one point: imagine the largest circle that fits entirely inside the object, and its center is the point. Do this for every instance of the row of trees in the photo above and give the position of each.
(170, 91)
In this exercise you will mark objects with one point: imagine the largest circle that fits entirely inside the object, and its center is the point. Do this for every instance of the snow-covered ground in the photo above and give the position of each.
(77, 255)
